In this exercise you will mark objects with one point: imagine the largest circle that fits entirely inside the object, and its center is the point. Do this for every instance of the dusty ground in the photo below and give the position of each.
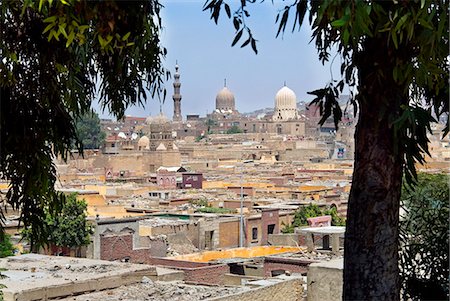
(158, 291)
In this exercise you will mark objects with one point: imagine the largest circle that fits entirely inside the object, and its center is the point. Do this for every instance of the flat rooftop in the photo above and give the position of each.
(36, 277)
(251, 252)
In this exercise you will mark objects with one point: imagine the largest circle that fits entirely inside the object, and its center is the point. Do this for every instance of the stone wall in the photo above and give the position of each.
(190, 230)
(293, 240)
(325, 280)
(287, 290)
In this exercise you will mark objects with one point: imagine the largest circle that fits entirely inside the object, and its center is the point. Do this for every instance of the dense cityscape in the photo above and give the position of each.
(312, 172)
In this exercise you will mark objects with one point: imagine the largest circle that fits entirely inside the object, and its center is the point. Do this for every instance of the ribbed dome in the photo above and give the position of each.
(225, 100)
(285, 105)
(285, 99)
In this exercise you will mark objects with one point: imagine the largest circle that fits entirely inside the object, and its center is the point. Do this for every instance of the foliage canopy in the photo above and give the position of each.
(69, 227)
(424, 241)
(89, 131)
(56, 56)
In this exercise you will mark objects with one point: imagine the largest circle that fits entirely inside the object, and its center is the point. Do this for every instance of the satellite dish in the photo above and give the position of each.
(134, 136)
(122, 135)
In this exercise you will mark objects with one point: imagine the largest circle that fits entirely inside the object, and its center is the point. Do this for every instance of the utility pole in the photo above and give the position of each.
(241, 228)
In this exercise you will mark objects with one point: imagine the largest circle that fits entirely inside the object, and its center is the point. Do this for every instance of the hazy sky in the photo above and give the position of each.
(205, 57)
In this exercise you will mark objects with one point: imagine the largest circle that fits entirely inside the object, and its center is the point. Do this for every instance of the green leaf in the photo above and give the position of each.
(49, 26)
(338, 23)
(245, 43)
(394, 38)
(401, 21)
(125, 37)
(70, 38)
(101, 41)
(237, 37)
(40, 4)
(50, 19)
(228, 11)
(62, 30)
(254, 46)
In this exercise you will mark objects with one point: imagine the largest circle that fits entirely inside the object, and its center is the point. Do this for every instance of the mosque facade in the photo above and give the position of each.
(285, 119)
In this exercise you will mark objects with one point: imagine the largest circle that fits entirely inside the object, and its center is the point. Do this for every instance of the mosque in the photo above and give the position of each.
(158, 133)
(284, 120)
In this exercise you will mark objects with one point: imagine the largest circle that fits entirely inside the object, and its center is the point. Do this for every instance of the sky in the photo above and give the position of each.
(205, 57)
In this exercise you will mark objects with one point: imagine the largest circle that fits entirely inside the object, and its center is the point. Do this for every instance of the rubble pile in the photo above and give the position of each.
(159, 291)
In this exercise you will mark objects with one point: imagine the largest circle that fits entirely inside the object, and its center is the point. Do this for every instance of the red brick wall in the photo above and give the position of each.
(269, 217)
(287, 264)
(120, 246)
(213, 274)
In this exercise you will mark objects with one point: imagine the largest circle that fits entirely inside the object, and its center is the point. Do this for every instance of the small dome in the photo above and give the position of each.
(285, 99)
(144, 142)
(225, 100)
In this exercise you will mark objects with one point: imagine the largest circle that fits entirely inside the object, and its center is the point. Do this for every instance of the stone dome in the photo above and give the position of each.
(144, 143)
(225, 100)
(285, 104)
(285, 99)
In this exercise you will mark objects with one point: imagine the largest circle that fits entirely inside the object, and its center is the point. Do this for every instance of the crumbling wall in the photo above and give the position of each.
(119, 246)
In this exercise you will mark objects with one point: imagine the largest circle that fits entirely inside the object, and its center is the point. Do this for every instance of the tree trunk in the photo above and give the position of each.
(371, 240)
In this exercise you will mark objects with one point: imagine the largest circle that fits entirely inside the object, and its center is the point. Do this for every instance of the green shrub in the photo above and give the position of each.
(424, 241)
(6, 247)
(302, 214)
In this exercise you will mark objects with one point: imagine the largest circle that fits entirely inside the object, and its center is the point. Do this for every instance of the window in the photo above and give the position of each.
(270, 229)
(113, 145)
(254, 233)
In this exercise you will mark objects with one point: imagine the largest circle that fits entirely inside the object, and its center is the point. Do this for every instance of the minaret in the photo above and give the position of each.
(176, 96)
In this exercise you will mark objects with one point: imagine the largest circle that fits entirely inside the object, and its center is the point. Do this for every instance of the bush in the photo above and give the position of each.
(424, 241)
(312, 210)
(6, 247)
(69, 228)
(234, 130)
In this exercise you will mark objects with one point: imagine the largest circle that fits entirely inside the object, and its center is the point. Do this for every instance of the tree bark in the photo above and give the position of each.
(371, 240)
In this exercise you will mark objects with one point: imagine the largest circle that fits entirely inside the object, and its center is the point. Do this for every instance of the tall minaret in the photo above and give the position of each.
(176, 96)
